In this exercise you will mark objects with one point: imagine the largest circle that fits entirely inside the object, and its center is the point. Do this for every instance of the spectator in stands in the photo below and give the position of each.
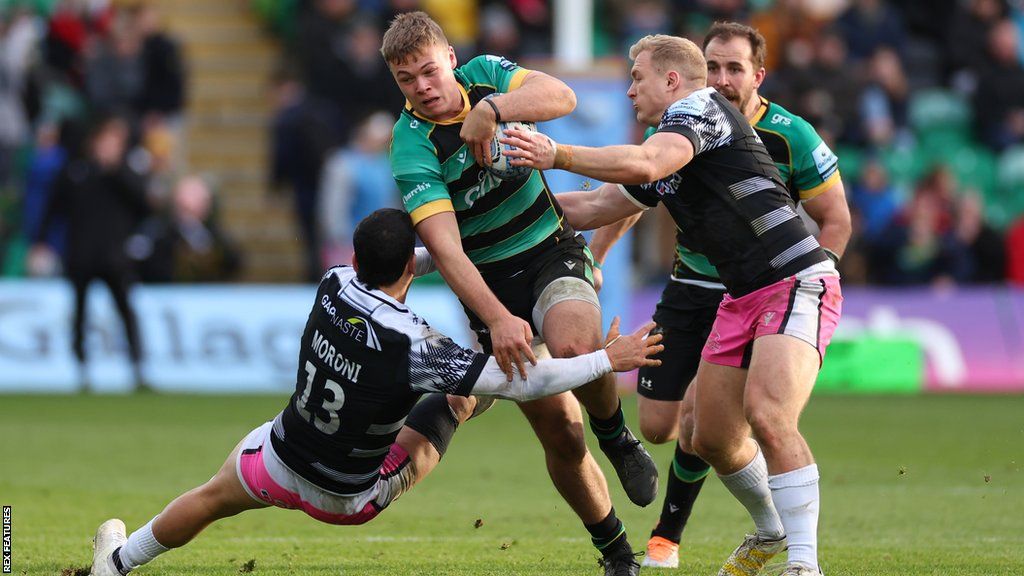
(368, 84)
(999, 100)
(1015, 253)
(114, 77)
(357, 180)
(320, 47)
(71, 27)
(833, 97)
(985, 244)
(163, 72)
(46, 161)
(920, 247)
(103, 200)
(304, 135)
(868, 25)
(499, 33)
(874, 199)
(967, 41)
(17, 43)
(884, 103)
(186, 243)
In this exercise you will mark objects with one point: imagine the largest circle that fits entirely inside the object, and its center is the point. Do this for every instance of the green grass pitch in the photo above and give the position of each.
(925, 485)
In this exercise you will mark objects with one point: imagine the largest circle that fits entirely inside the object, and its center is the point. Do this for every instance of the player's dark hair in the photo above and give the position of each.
(728, 30)
(383, 243)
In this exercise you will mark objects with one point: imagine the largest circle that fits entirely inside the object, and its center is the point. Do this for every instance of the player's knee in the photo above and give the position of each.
(768, 427)
(564, 441)
(658, 430)
(710, 447)
(572, 349)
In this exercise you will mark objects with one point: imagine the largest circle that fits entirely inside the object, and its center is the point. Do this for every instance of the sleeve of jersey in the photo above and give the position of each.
(703, 122)
(438, 364)
(502, 73)
(642, 195)
(417, 173)
(816, 167)
(548, 377)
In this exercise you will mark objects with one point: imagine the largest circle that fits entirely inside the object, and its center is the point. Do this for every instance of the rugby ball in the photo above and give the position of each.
(500, 166)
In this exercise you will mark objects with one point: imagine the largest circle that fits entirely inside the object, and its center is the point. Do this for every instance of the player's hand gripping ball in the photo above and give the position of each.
(500, 166)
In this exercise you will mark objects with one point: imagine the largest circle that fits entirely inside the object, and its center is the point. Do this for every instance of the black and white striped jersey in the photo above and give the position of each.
(365, 360)
(729, 202)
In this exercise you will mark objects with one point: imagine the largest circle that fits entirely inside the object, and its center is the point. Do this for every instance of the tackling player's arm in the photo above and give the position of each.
(539, 97)
(590, 210)
(660, 155)
(831, 213)
(510, 335)
(551, 376)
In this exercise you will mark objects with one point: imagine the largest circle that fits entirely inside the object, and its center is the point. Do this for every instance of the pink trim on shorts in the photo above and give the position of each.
(263, 487)
(808, 309)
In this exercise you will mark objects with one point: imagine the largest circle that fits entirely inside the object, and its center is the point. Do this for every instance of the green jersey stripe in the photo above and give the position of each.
(535, 210)
(475, 221)
(534, 234)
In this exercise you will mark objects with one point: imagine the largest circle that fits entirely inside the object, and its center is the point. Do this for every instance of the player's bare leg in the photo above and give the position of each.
(571, 328)
(722, 438)
(660, 420)
(185, 517)
(664, 421)
(558, 424)
(782, 373)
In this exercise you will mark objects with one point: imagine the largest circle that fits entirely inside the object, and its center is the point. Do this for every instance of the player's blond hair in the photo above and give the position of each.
(675, 53)
(408, 35)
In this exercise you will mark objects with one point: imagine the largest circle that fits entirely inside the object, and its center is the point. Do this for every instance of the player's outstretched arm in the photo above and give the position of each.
(510, 335)
(659, 156)
(557, 375)
(591, 210)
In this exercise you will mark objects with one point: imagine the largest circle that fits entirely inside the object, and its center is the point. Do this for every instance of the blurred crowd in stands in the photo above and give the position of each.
(923, 101)
(93, 178)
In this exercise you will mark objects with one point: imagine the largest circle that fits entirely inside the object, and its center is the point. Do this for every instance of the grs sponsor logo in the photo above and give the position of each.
(419, 188)
(780, 119)
(333, 358)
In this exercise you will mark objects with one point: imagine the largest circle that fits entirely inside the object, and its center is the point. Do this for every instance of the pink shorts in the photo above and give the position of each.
(268, 480)
(806, 306)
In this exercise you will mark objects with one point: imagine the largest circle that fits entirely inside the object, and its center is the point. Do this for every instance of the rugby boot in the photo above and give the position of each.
(620, 565)
(109, 537)
(800, 570)
(633, 464)
(750, 557)
(661, 553)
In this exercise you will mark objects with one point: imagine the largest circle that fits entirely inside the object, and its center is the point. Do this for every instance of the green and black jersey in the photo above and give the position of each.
(498, 219)
(805, 162)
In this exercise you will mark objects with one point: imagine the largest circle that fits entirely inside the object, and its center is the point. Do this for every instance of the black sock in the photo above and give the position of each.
(684, 483)
(609, 536)
(610, 428)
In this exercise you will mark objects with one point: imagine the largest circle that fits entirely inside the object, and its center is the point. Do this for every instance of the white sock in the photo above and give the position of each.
(796, 498)
(750, 487)
(140, 548)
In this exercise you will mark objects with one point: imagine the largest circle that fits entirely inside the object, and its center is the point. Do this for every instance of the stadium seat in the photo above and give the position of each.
(974, 167)
(1011, 180)
(940, 119)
